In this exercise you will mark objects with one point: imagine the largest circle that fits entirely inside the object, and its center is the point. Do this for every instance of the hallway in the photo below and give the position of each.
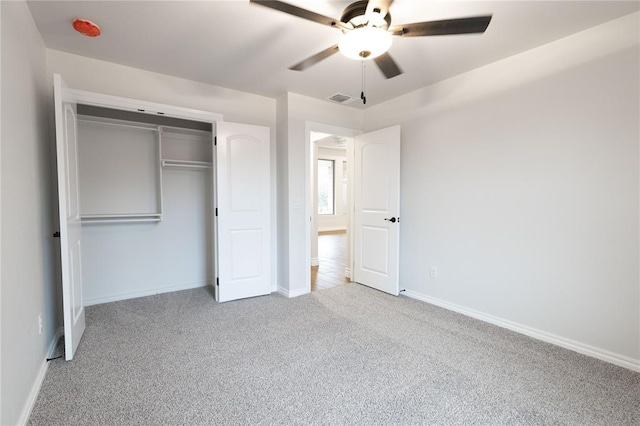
(332, 255)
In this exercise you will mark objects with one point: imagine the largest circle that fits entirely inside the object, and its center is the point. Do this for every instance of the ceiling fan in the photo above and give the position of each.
(367, 29)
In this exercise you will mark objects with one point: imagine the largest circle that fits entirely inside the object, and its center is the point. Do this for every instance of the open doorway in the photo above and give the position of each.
(337, 144)
(373, 204)
(329, 210)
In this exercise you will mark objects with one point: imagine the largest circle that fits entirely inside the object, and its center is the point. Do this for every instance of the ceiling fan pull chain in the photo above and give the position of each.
(362, 96)
(362, 79)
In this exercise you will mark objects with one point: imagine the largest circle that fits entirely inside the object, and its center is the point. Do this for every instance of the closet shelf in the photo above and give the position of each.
(186, 164)
(121, 218)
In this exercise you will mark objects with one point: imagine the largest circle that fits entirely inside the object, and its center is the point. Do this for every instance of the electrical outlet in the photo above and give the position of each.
(434, 272)
(40, 324)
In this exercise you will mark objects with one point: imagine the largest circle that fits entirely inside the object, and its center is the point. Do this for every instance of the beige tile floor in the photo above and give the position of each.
(332, 256)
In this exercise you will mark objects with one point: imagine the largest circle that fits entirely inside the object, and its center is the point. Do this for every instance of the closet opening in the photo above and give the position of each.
(146, 199)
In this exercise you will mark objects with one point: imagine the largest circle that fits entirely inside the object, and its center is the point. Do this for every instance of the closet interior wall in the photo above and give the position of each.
(146, 202)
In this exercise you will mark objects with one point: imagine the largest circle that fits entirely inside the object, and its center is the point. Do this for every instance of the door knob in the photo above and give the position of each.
(392, 220)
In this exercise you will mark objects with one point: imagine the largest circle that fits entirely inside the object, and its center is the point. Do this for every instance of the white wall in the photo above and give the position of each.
(104, 77)
(520, 182)
(301, 110)
(338, 220)
(282, 154)
(27, 246)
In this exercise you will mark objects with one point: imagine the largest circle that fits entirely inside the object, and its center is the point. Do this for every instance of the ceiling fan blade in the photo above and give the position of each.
(312, 60)
(387, 65)
(382, 5)
(448, 26)
(301, 13)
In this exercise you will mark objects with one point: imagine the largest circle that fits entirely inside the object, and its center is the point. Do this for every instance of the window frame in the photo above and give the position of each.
(332, 203)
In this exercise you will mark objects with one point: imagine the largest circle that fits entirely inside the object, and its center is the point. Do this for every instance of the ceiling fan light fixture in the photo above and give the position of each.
(365, 43)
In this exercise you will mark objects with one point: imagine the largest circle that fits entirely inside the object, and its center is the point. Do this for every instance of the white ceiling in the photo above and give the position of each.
(238, 45)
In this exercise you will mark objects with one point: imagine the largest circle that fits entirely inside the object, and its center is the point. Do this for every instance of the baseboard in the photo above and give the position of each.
(347, 273)
(601, 354)
(315, 261)
(290, 294)
(143, 293)
(42, 373)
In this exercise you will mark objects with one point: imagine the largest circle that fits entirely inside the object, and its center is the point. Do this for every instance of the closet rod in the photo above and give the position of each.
(130, 126)
(124, 220)
(184, 130)
(116, 216)
(193, 165)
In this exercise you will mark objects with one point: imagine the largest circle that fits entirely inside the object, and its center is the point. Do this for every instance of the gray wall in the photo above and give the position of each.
(520, 183)
(27, 248)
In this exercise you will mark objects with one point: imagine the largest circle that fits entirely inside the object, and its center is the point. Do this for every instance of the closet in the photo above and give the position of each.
(146, 202)
(155, 198)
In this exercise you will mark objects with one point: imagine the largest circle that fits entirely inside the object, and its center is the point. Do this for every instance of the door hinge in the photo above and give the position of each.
(56, 234)
(215, 140)
(216, 212)
(218, 281)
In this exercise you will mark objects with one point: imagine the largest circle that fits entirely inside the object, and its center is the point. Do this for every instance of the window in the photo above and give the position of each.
(325, 187)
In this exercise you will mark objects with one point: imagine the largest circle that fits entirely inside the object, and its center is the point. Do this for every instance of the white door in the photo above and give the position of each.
(69, 211)
(377, 209)
(244, 211)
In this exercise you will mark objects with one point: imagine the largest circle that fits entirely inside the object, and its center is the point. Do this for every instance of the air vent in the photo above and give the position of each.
(341, 98)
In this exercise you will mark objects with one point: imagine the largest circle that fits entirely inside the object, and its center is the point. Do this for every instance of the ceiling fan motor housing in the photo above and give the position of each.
(355, 14)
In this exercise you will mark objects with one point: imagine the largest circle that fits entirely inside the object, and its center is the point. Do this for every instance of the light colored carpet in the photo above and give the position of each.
(346, 355)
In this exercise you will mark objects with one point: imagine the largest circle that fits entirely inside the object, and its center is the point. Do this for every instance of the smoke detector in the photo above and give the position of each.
(86, 27)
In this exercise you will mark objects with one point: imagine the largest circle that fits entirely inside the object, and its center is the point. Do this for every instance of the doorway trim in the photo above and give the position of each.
(143, 107)
(309, 127)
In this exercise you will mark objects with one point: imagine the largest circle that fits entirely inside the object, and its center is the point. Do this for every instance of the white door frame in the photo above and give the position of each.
(143, 107)
(309, 127)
